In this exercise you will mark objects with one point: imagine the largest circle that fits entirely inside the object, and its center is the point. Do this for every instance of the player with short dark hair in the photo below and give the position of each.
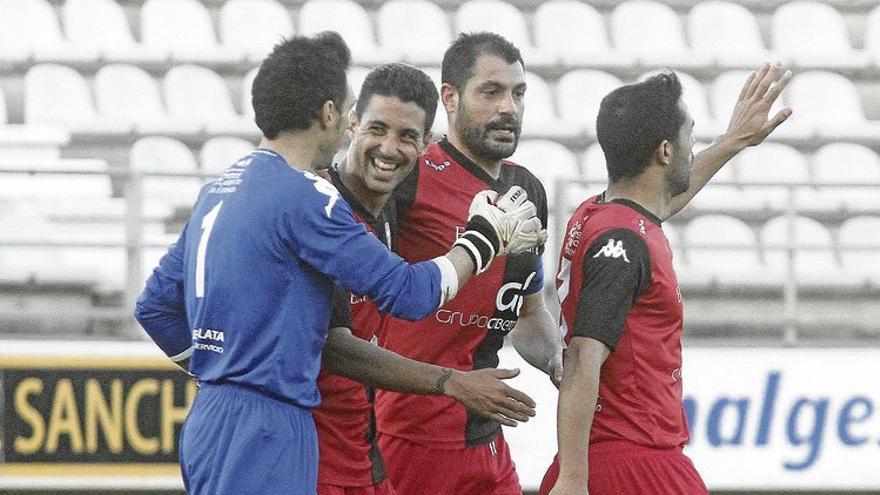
(621, 422)
(245, 292)
(431, 444)
(388, 132)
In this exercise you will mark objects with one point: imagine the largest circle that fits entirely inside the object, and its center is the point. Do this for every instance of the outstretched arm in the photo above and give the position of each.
(749, 125)
(537, 339)
(481, 391)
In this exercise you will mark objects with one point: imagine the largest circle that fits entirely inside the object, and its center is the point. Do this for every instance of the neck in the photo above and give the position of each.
(491, 166)
(371, 201)
(648, 190)
(301, 150)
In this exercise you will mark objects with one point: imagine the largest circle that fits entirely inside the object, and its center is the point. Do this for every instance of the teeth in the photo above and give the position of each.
(384, 167)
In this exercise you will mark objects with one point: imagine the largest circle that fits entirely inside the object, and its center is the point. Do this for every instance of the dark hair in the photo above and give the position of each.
(461, 56)
(404, 82)
(296, 79)
(634, 119)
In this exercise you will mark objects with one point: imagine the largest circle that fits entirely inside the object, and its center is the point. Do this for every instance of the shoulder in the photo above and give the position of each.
(521, 175)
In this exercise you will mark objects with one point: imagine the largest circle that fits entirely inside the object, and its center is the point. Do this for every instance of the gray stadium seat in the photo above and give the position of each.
(166, 155)
(184, 30)
(549, 161)
(349, 19)
(848, 164)
(254, 27)
(30, 28)
(872, 35)
(505, 19)
(828, 105)
(579, 94)
(416, 31)
(219, 153)
(653, 32)
(574, 34)
(102, 26)
(198, 95)
(795, 28)
(859, 241)
(728, 32)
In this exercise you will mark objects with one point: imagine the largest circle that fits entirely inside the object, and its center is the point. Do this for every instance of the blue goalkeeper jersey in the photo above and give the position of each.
(247, 288)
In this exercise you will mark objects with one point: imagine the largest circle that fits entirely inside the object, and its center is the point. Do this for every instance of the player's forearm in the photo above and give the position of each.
(359, 360)
(578, 395)
(706, 164)
(536, 338)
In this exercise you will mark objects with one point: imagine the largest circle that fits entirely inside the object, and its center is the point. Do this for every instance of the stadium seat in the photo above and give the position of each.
(688, 278)
(55, 94)
(30, 29)
(772, 164)
(254, 27)
(815, 263)
(129, 94)
(247, 83)
(505, 19)
(722, 194)
(580, 93)
(728, 32)
(102, 26)
(441, 122)
(348, 19)
(725, 249)
(416, 31)
(184, 30)
(549, 161)
(54, 187)
(574, 34)
(221, 152)
(705, 125)
(159, 154)
(652, 31)
(859, 242)
(198, 95)
(796, 26)
(849, 165)
(828, 105)
(593, 165)
(540, 119)
(872, 35)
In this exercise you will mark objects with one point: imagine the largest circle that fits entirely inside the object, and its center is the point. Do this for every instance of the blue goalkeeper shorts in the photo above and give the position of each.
(238, 441)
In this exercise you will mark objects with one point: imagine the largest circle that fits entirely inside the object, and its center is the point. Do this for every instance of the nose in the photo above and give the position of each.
(507, 104)
(390, 146)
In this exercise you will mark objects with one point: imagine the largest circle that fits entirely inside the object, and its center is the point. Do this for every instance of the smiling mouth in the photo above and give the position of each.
(383, 166)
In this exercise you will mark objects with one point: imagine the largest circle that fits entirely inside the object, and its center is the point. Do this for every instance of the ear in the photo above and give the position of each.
(427, 139)
(328, 114)
(449, 96)
(353, 124)
(664, 152)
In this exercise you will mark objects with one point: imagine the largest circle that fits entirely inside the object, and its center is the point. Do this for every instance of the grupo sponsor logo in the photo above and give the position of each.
(461, 319)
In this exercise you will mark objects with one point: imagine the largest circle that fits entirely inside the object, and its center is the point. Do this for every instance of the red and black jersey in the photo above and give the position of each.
(345, 421)
(467, 332)
(617, 285)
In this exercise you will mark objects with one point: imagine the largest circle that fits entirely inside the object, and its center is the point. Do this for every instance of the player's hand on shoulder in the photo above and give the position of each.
(751, 121)
(483, 392)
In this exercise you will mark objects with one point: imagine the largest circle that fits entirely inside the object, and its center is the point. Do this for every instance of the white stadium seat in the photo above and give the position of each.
(574, 33)
(850, 164)
(102, 25)
(815, 263)
(593, 165)
(254, 27)
(859, 241)
(796, 34)
(56, 94)
(247, 83)
(549, 161)
(774, 163)
(184, 30)
(416, 31)
(540, 119)
(725, 249)
(872, 35)
(347, 18)
(828, 105)
(505, 19)
(728, 32)
(221, 152)
(580, 92)
(30, 28)
(198, 95)
(652, 31)
(166, 155)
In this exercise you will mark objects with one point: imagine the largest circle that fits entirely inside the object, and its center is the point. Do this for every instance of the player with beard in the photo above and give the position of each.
(431, 444)
(389, 129)
(621, 422)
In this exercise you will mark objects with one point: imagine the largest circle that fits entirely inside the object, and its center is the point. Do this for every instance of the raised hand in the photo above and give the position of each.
(751, 122)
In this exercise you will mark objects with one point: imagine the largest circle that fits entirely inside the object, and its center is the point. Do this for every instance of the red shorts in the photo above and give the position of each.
(415, 469)
(619, 468)
(383, 488)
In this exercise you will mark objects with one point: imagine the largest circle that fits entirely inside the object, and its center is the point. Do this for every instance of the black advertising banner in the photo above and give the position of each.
(91, 416)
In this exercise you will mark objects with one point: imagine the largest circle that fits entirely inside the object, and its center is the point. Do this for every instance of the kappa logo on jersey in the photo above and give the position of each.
(325, 188)
(515, 303)
(438, 167)
(614, 249)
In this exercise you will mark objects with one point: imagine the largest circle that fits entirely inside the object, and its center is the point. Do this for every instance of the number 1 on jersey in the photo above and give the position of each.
(207, 226)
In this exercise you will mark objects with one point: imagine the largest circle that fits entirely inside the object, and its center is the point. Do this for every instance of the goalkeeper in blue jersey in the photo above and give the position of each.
(245, 293)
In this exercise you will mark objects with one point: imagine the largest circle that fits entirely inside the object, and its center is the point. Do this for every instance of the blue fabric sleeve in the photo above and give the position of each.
(323, 232)
(537, 283)
(161, 309)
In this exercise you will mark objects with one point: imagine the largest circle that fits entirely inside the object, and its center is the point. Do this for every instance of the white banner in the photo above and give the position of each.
(760, 418)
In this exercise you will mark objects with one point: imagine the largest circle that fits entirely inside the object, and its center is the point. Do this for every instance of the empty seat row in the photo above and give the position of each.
(195, 98)
(419, 31)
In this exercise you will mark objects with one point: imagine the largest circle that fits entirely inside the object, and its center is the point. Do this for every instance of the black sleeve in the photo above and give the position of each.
(617, 270)
(340, 314)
